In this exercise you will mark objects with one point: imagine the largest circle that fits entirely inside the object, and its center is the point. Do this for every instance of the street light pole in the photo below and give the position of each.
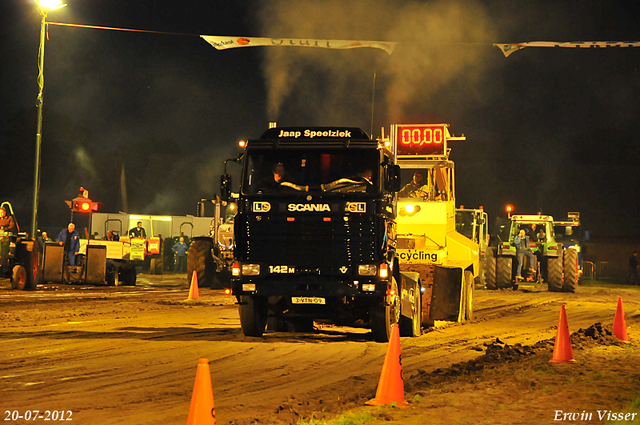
(39, 104)
(43, 6)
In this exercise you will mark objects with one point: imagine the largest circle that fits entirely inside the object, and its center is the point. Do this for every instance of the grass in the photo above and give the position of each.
(348, 418)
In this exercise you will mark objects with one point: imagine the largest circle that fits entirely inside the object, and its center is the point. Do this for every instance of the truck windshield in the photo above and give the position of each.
(324, 171)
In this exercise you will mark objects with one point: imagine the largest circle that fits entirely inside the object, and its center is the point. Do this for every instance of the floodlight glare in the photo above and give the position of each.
(51, 4)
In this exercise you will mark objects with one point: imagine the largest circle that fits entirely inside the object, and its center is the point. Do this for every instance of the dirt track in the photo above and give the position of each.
(129, 355)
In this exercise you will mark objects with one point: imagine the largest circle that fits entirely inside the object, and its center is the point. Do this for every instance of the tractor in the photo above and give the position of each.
(19, 255)
(554, 264)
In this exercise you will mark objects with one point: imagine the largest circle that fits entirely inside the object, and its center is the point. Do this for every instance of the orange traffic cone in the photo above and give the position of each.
(619, 324)
(391, 386)
(193, 291)
(562, 351)
(202, 410)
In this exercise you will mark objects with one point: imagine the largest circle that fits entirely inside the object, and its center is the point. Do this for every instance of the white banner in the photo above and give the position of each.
(509, 48)
(229, 42)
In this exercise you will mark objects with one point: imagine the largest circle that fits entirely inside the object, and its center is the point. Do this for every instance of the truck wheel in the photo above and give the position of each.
(383, 317)
(253, 315)
(504, 272)
(554, 273)
(570, 260)
(200, 260)
(490, 270)
(413, 327)
(468, 298)
(20, 278)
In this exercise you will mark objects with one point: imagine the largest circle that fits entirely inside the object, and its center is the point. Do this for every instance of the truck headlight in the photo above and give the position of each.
(250, 269)
(369, 287)
(367, 269)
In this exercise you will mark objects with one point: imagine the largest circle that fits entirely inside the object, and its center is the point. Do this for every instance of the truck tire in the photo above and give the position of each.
(504, 272)
(468, 297)
(554, 273)
(413, 327)
(20, 278)
(200, 260)
(490, 270)
(253, 315)
(570, 260)
(383, 317)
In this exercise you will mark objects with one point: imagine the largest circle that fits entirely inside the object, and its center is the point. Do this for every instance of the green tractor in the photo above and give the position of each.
(556, 266)
(20, 257)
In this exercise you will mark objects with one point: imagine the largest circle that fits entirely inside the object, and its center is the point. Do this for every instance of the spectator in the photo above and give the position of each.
(111, 236)
(180, 251)
(533, 237)
(70, 239)
(523, 249)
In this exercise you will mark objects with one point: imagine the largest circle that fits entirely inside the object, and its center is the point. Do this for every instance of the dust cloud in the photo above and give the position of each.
(437, 49)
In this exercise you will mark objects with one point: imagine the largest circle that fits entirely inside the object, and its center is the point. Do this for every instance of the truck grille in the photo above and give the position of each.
(311, 243)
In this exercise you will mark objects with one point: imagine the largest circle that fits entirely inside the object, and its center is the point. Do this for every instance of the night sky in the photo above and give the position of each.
(548, 129)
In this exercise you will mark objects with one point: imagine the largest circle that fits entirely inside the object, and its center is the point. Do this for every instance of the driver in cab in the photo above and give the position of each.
(7, 223)
(413, 188)
(280, 178)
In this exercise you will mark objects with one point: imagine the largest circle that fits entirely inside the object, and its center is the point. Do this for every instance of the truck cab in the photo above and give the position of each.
(315, 233)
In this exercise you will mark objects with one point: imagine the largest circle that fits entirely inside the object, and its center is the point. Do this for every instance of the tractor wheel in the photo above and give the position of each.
(127, 274)
(253, 315)
(37, 271)
(20, 278)
(570, 260)
(504, 272)
(413, 327)
(155, 266)
(490, 270)
(554, 273)
(200, 260)
(113, 278)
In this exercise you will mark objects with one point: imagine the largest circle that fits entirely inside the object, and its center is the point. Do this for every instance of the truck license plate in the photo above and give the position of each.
(308, 300)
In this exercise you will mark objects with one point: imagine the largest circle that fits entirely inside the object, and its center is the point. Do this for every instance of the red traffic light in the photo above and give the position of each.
(84, 205)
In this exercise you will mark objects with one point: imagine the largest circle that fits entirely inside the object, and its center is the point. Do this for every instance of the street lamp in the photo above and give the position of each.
(43, 7)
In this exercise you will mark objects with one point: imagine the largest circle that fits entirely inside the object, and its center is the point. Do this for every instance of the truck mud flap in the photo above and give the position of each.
(445, 296)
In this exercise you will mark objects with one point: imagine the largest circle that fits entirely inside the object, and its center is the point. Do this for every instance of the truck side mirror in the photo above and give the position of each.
(225, 187)
(394, 183)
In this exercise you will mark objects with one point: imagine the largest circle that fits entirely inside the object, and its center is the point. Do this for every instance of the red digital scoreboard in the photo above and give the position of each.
(421, 139)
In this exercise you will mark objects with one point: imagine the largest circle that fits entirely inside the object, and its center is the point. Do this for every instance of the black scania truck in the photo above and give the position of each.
(315, 235)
